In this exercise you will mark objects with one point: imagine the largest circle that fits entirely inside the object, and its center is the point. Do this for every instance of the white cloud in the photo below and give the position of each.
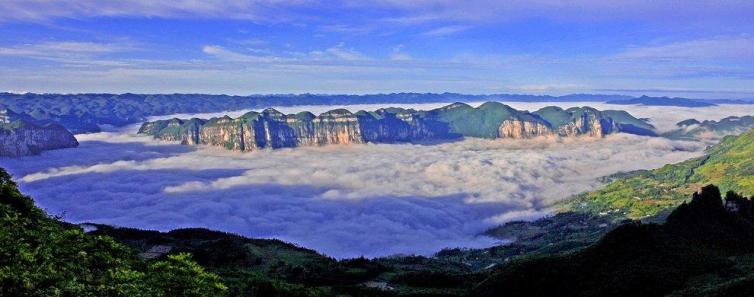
(41, 10)
(726, 47)
(342, 200)
(398, 54)
(401, 12)
(61, 49)
(446, 30)
(486, 11)
(232, 56)
(341, 52)
(338, 52)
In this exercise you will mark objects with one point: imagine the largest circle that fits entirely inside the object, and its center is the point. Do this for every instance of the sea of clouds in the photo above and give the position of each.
(344, 201)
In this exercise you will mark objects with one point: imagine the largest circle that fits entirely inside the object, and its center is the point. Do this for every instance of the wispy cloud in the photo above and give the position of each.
(63, 48)
(398, 12)
(725, 47)
(224, 54)
(40, 10)
(340, 51)
(478, 13)
(446, 30)
(399, 55)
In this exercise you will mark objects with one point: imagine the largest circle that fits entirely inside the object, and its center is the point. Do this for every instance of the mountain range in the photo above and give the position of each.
(273, 129)
(595, 246)
(662, 101)
(83, 113)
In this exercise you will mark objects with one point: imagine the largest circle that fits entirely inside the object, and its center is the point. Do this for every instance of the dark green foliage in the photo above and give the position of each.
(642, 259)
(41, 256)
(178, 275)
(563, 232)
(706, 248)
(556, 116)
(483, 121)
(649, 193)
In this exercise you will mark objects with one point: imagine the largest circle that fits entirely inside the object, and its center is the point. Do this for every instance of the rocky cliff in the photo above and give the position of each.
(273, 129)
(22, 137)
(592, 122)
(523, 129)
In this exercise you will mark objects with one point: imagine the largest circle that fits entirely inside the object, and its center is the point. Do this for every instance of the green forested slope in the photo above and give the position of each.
(41, 256)
(729, 164)
(705, 248)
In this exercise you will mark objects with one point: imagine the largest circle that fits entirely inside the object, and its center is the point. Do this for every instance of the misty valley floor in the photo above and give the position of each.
(344, 201)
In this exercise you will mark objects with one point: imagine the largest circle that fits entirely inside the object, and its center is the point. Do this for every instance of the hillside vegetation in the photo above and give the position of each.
(704, 249)
(641, 194)
(42, 256)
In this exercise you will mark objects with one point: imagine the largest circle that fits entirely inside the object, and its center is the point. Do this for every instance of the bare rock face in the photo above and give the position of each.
(586, 121)
(273, 129)
(24, 138)
(337, 127)
(523, 129)
(588, 125)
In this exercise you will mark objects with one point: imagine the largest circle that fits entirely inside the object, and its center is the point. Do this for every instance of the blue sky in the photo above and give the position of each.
(699, 49)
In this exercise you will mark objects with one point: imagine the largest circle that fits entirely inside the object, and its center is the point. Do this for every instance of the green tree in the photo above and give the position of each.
(179, 275)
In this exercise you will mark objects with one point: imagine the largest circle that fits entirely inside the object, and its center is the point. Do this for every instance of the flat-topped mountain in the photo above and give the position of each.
(20, 135)
(273, 129)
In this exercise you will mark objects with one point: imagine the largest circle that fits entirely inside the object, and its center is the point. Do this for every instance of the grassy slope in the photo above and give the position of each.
(728, 164)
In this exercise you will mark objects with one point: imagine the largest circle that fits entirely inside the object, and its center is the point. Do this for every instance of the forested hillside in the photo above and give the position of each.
(42, 256)
(728, 164)
(706, 248)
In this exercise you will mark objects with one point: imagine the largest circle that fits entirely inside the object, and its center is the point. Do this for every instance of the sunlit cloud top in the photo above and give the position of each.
(684, 48)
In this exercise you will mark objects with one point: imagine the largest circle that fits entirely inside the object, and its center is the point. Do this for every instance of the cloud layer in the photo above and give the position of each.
(344, 201)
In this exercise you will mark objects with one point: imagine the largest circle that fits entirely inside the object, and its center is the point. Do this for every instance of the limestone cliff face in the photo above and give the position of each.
(272, 129)
(337, 127)
(588, 125)
(523, 129)
(254, 131)
(24, 139)
(185, 132)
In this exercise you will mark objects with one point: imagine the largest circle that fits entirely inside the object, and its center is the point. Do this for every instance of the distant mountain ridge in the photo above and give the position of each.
(83, 113)
(694, 129)
(662, 101)
(273, 129)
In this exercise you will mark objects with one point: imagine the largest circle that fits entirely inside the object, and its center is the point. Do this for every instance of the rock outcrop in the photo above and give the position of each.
(523, 129)
(588, 121)
(20, 136)
(273, 129)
